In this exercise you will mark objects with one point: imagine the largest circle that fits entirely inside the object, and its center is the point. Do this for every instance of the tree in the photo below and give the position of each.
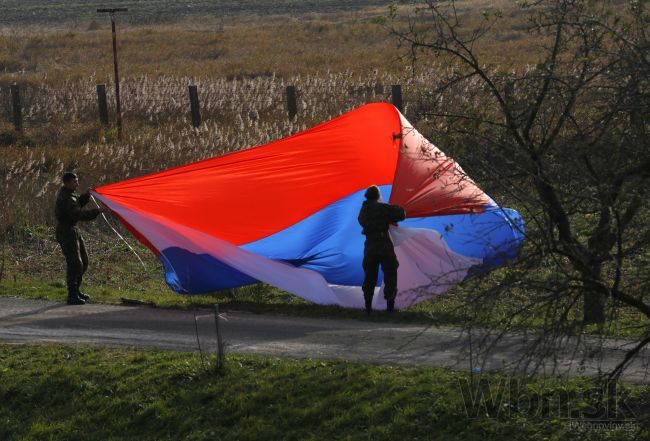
(565, 141)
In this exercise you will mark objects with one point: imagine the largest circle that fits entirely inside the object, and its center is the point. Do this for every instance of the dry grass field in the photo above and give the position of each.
(236, 45)
(66, 12)
(337, 58)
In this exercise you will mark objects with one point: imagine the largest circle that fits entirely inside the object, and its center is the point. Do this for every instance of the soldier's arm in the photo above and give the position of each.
(83, 199)
(90, 214)
(396, 213)
(77, 214)
(362, 217)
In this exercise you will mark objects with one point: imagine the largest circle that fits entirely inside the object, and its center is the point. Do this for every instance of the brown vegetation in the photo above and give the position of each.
(233, 47)
(337, 61)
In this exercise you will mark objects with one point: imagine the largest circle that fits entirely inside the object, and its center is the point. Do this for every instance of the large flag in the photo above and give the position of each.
(285, 213)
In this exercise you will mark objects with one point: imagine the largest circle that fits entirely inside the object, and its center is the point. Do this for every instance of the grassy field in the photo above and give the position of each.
(33, 268)
(283, 43)
(337, 62)
(157, 11)
(81, 393)
(256, 47)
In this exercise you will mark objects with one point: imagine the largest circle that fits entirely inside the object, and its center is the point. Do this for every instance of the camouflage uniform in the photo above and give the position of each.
(375, 218)
(68, 212)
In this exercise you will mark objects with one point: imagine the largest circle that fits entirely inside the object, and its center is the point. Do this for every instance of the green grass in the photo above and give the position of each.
(34, 268)
(259, 298)
(81, 393)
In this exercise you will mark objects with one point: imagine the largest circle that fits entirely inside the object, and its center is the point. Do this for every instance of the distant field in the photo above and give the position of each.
(156, 11)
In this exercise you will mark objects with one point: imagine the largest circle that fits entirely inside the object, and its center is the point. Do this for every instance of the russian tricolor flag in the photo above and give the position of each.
(285, 213)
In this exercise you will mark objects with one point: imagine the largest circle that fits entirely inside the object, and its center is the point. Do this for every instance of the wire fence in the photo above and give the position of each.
(159, 100)
(235, 114)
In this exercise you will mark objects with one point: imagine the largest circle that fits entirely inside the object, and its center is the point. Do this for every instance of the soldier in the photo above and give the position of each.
(375, 217)
(68, 212)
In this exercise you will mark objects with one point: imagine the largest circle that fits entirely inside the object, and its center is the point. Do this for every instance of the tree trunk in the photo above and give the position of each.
(594, 307)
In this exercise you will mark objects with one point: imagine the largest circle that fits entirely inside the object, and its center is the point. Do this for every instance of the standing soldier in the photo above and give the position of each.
(375, 217)
(68, 212)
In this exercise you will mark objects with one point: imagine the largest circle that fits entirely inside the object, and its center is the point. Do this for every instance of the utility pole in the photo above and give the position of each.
(118, 111)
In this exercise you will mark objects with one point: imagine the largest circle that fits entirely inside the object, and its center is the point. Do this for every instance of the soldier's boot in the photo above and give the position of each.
(75, 300)
(73, 296)
(390, 305)
(83, 296)
(368, 300)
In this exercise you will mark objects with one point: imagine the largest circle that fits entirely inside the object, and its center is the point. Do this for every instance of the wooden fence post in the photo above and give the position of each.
(220, 348)
(102, 103)
(17, 108)
(292, 107)
(194, 105)
(396, 97)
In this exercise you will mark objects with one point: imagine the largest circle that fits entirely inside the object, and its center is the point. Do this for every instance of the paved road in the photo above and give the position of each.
(23, 320)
